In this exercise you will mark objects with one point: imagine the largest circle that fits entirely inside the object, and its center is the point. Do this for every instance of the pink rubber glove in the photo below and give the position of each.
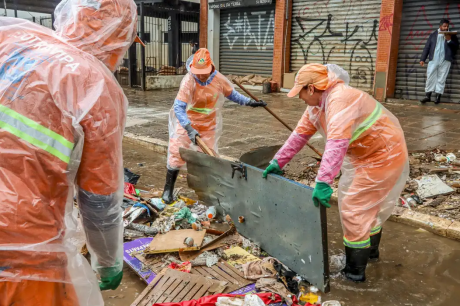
(291, 147)
(332, 160)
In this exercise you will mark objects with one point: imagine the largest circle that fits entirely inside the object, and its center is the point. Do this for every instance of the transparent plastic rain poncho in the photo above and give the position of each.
(62, 117)
(363, 140)
(204, 111)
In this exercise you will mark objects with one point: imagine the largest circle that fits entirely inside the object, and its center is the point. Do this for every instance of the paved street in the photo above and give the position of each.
(425, 127)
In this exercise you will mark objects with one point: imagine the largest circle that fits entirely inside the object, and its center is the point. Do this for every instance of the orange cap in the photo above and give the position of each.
(202, 63)
(315, 74)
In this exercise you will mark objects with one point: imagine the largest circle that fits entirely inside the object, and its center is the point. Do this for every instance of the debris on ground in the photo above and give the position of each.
(433, 186)
(186, 251)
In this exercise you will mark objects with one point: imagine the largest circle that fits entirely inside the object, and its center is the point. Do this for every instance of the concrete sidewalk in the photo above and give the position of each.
(245, 128)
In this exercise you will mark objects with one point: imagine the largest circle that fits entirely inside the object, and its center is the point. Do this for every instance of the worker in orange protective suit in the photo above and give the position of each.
(62, 117)
(197, 111)
(366, 142)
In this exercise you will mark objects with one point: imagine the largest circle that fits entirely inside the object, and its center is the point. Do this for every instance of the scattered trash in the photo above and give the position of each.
(238, 256)
(158, 203)
(129, 188)
(331, 303)
(310, 295)
(182, 267)
(260, 269)
(211, 212)
(184, 214)
(241, 219)
(251, 247)
(173, 241)
(337, 263)
(440, 158)
(432, 185)
(118, 296)
(189, 241)
(451, 157)
(211, 260)
(147, 230)
(140, 164)
(131, 177)
(197, 226)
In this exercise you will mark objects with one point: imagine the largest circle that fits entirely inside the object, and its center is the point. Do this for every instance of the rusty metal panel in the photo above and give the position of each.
(337, 32)
(246, 40)
(279, 214)
(419, 20)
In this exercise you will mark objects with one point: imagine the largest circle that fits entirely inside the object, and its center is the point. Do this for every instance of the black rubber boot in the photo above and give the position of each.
(438, 99)
(375, 242)
(427, 98)
(356, 262)
(171, 177)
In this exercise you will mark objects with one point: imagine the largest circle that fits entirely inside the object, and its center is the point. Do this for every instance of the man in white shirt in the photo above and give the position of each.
(440, 49)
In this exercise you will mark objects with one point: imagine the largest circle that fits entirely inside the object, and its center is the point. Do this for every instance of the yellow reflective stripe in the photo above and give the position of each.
(373, 117)
(357, 244)
(8, 111)
(205, 111)
(376, 230)
(34, 141)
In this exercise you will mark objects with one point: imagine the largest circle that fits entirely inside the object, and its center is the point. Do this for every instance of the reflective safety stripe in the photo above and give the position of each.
(205, 111)
(368, 122)
(358, 244)
(35, 134)
(376, 230)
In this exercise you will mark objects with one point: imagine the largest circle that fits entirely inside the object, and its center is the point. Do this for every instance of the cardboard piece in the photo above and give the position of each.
(288, 80)
(240, 256)
(432, 185)
(173, 241)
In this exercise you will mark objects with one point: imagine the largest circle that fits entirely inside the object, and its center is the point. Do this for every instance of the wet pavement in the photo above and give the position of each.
(416, 267)
(425, 126)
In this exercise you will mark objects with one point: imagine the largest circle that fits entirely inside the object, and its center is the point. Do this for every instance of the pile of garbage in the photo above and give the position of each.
(189, 245)
(434, 184)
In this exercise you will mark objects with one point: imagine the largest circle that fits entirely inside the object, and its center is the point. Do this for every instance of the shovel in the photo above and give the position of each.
(277, 118)
(204, 147)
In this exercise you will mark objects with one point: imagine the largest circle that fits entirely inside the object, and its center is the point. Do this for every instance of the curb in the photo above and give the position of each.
(435, 225)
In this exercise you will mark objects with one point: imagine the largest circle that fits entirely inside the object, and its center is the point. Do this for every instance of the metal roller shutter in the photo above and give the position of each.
(246, 40)
(337, 32)
(419, 20)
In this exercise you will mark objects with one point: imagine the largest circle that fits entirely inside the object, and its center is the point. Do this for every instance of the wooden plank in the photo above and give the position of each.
(147, 290)
(201, 292)
(187, 289)
(176, 286)
(226, 276)
(195, 271)
(234, 273)
(215, 274)
(167, 293)
(173, 241)
(150, 293)
(178, 290)
(159, 290)
(192, 292)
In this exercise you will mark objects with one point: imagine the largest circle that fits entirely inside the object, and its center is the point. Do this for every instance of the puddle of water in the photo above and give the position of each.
(416, 267)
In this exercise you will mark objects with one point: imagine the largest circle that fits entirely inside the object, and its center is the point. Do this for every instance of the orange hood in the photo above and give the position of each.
(103, 28)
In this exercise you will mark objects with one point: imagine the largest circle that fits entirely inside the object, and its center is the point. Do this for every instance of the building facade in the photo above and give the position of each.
(379, 42)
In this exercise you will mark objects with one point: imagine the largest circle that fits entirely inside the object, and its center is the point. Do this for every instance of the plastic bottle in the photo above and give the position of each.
(451, 157)
(311, 297)
(440, 158)
(211, 212)
(411, 201)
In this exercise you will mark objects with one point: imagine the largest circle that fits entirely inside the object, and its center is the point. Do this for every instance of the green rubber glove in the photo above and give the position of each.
(322, 194)
(110, 283)
(273, 167)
